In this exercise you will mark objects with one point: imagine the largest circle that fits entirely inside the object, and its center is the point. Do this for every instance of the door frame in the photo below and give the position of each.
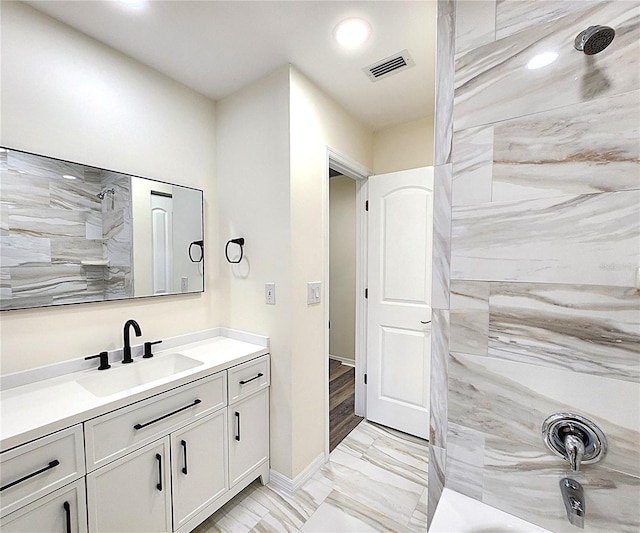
(360, 174)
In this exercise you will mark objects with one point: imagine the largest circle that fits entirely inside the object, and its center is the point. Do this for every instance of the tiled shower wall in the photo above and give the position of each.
(59, 243)
(543, 314)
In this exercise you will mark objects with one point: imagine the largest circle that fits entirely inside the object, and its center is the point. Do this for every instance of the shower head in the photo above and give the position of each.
(594, 39)
(101, 194)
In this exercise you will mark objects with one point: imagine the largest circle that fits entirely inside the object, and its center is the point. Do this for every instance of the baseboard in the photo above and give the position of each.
(289, 486)
(343, 360)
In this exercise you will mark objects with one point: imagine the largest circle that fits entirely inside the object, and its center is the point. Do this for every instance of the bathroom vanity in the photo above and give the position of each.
(157, 445)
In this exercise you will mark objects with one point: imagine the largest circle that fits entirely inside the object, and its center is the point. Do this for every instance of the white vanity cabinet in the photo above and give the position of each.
(43, 483)
(163, 462)
(248, 418)
(62, 511)
(168, 462)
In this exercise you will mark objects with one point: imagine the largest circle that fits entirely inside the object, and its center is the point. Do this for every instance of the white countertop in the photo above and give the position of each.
(36, 409)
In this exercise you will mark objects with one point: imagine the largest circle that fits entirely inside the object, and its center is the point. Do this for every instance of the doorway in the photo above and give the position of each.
(342, 306)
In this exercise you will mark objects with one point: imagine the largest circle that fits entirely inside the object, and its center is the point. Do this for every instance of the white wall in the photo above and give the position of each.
(342, 267)
(403, 146)
(68, 96)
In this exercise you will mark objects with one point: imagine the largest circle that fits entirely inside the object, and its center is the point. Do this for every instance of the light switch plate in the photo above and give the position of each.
(314, 290)
(270, 293)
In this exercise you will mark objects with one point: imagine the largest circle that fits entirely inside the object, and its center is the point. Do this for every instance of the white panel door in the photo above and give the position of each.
(399, 299)
(162, 240)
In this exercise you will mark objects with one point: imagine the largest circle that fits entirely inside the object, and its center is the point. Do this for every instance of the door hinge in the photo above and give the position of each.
(366, 293)
(365, 379)
(366, 205)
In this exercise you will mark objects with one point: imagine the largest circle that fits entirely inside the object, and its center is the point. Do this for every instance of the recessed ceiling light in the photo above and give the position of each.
(133, 3)
(352, 32)
(69, 177)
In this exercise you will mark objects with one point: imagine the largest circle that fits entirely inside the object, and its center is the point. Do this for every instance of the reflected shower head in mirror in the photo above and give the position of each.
(594, 39)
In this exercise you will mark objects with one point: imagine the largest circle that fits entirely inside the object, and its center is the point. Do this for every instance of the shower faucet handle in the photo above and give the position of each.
(575, 451)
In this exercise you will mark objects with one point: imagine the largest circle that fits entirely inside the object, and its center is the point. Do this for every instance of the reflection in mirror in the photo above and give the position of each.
(71, 233)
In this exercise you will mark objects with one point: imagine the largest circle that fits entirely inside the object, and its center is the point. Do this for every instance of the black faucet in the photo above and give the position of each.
(127, 344)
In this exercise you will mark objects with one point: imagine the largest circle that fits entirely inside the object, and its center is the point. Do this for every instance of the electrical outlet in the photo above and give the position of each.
(270, 293)
(314, 289)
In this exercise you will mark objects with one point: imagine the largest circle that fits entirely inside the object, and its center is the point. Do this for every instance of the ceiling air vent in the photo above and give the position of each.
(388, 66)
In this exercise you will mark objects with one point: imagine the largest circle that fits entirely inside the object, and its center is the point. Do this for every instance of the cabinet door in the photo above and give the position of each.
(132, 494)
(199, 466)
(62, 511)
(248, 435)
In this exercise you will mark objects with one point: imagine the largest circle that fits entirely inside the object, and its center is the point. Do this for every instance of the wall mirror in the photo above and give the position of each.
(72, 233)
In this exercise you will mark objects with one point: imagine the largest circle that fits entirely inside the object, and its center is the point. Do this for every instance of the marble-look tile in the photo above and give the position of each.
(73, 250)
(475, 23)
(445, 70)
(118, 282)
(513, 16)
(118, 233)
(469, 317)
(472, 166)
(438, 379)
(437, 476)
(19, 190)
(532, 476)
(5, 284)
(511, 400)
(401, 457)
(419, 520)
(586, 328)
(493, 83)
(93, 225)
(4, 218)
(465, 460)
(34, 286)
(584, 148)
(391, 495)
(359, 440)
(341, 513)
(586, 239)
(441, 251)
(46, 222)
(74, 195)
(42, 166)
(19, 250)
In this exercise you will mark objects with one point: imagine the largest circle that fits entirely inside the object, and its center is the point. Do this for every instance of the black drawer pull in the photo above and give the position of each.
(51, 465)
(140, 426)
(237, 426)
(67, 513)
(184, 449)
(159, 485)
(260, 374)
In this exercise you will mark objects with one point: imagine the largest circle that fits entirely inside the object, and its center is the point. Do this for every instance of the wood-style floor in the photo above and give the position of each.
(342, 394)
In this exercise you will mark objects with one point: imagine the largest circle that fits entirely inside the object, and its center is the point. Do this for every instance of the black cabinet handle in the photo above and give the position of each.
(67, 512)
(51, 465)
(159, 485)
(140, 426)
(184, 450)
(260, 374)
(237, 426)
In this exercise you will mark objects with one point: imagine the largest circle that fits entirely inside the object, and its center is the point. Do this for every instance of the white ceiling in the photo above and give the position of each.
(217, 47)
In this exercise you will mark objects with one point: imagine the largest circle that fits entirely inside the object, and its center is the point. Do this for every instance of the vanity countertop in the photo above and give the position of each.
(36, 409)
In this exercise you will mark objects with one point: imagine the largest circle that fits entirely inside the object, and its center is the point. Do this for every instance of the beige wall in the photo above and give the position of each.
(342, 267)
(316, 122)
(253, 180)
(68, 96)
(403, 146)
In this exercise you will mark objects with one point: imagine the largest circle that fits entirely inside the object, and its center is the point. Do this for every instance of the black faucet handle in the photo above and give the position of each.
(104, 360)
(147, 349)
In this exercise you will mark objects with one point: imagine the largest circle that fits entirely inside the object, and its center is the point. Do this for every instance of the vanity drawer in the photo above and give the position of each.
(247, 378)
(32, 470)
(115, 434)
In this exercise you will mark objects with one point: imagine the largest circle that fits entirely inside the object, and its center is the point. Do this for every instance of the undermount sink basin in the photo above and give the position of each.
(142, 371)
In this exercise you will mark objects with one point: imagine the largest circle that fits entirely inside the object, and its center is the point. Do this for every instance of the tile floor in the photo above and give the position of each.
(375, 480)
